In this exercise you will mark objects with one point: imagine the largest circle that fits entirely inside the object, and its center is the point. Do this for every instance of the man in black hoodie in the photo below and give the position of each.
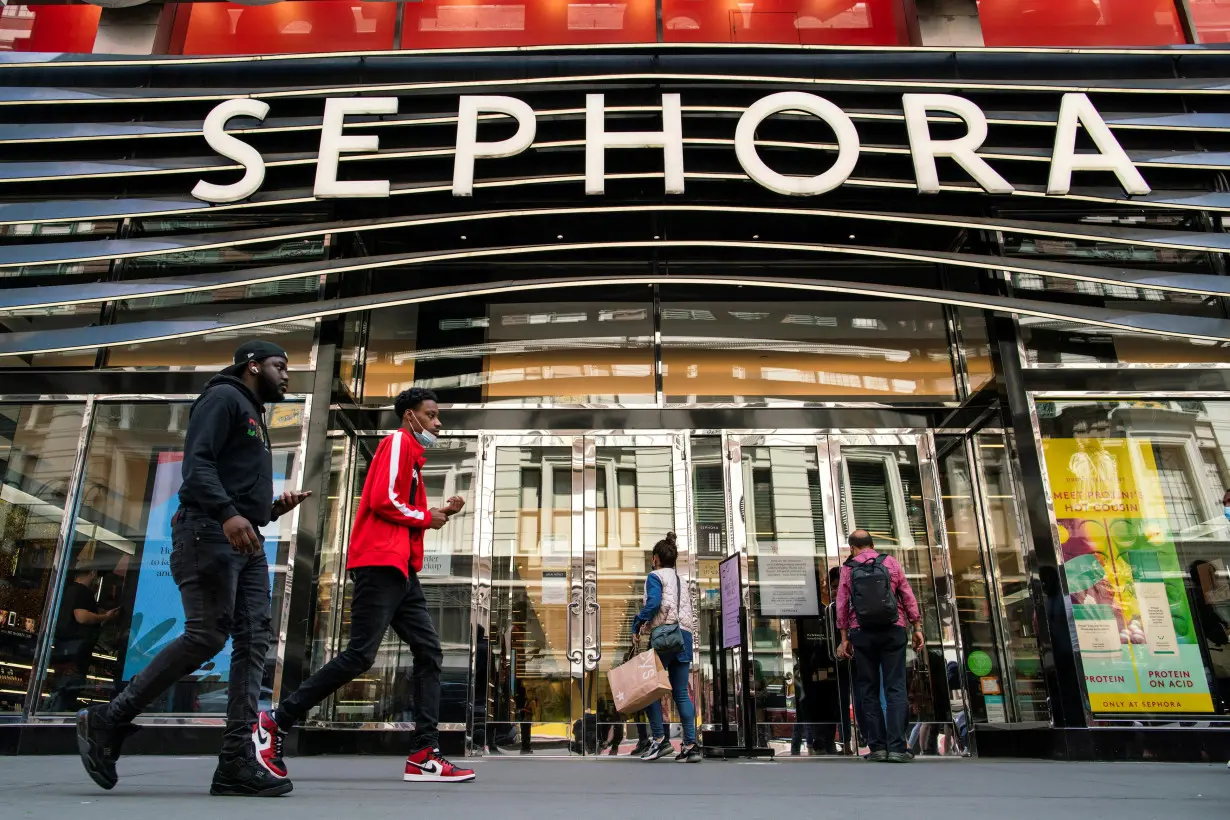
(218, 561)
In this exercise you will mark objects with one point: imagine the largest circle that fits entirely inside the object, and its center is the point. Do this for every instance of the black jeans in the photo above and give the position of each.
(225, 595)
(843, 698)
(881, 652)
(383, 597)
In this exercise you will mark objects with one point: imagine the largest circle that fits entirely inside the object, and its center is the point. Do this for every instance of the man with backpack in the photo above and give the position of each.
(874, 604)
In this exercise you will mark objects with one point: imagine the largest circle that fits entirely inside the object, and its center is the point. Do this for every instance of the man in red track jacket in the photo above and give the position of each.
(385, 557)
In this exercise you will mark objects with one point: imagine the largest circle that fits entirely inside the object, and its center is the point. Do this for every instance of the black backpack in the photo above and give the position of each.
(871, 592)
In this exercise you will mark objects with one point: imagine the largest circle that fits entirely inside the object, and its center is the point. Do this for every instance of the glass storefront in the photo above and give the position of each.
(115, 559)
(1019, 396)
(533, 588)
(38, 445)
(1135, 486)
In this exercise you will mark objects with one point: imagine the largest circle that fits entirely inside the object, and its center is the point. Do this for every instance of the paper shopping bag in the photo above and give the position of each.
(638, 683)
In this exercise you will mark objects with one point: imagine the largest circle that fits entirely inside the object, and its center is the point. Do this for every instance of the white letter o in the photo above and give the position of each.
(847, 143)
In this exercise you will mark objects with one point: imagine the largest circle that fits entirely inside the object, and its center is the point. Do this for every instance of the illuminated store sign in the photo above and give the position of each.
(1075, 110)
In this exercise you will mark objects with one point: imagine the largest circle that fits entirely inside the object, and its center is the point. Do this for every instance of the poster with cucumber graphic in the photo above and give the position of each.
(1136, 637)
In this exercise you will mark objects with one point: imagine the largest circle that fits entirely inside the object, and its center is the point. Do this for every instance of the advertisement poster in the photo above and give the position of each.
(1135, 631)
(157, 612)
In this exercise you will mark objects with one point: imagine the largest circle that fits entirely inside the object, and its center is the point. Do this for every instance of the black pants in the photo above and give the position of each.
(383, 597)
(844, 671)
(881, 652)
(71, 660)
(225, 595)
(617, 731)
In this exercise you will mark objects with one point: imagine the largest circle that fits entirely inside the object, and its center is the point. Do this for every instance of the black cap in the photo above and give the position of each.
(253, 351)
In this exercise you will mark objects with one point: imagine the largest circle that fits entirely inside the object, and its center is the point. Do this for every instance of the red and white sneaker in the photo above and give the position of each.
(267, 742)
(429, 766)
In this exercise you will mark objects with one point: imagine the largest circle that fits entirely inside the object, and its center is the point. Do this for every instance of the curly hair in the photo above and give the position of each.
(410, 399)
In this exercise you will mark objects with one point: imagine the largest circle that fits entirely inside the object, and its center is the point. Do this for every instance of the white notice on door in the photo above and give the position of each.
(554, 588)
(787, 586)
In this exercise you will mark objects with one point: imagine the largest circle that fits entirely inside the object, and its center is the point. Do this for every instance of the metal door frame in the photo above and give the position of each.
(584, 609)
(828, 444)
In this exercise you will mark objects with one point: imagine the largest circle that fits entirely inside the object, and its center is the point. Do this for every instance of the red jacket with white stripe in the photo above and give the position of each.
(393, 511)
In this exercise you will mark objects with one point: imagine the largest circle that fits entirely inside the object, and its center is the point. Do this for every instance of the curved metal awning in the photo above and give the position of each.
(105, 336)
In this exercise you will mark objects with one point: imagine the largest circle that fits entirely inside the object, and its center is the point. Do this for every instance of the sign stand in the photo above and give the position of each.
(733, 626)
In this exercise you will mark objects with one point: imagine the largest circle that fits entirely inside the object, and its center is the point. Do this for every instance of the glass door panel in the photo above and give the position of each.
(782, 519)
(630, 505)
(573, 521)
(796, 497)
(382, 694)
(533, 675)
(887, 486)
(710, 527)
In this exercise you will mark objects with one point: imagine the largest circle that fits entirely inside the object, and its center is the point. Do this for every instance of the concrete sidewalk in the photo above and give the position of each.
(370, 788)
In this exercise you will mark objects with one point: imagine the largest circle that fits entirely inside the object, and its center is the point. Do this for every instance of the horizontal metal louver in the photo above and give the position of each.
(870, 495)
(113, 222)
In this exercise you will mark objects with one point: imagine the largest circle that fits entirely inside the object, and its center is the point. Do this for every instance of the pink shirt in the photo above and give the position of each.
(907, 604)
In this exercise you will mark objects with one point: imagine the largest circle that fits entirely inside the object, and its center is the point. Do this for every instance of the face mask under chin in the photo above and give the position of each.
(428, 440)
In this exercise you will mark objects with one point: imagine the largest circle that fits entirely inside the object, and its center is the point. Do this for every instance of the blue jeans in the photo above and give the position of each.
(678, 673)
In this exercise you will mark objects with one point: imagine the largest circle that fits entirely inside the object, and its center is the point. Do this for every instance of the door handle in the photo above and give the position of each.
(576, 622)
(593, 612)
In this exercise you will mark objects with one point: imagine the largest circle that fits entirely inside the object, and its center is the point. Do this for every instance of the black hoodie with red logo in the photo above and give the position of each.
(228, 464)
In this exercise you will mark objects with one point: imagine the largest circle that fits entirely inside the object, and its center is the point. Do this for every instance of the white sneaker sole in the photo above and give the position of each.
(437, 778)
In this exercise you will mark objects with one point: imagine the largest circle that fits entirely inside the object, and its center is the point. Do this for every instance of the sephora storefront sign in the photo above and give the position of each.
(1075, 110)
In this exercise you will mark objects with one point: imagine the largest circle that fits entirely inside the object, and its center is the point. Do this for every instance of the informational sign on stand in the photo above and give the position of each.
(732, 598)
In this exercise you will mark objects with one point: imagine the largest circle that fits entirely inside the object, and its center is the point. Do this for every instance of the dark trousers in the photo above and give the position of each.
(224, 594)
(880, 654)
(843, 698)
(383, 597)
(617, 730)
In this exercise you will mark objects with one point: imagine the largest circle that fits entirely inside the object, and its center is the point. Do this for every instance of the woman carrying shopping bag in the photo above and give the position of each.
(668, 619)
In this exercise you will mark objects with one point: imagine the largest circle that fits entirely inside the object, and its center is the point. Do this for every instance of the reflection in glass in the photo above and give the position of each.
(791, 22)
(994, 455)
(216, 349)
(335, 525)
(383, 693)
(881, 492)
(66, 29)
(1211, 19)
(1079, 23)
(976, 346)
(290, 27)
(635, 509)
(1049, 342)
(43, 319)
(449, 24)
(994, 604)
(794, 668)
(123, 535)
(1137, 488)
(496, 353)
(712, 543)
(38, 446)
(532, 700)
(762, 351)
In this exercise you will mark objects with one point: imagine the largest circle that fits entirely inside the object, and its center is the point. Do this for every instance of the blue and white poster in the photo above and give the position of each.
(158, 615)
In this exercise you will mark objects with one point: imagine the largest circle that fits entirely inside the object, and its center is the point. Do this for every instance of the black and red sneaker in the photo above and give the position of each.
(267, 742)
(429, 766)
